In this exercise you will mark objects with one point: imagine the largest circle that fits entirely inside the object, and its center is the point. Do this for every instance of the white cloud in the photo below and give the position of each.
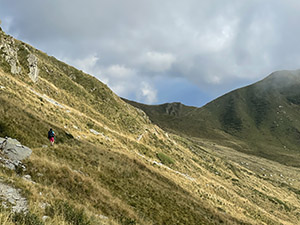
(212, 44)
(6, 23)
(119, 72)
(213, 80)
(147, 93)
(120, 79)
(219, 39)
(158, 61)
(86, 64)
(121, 88)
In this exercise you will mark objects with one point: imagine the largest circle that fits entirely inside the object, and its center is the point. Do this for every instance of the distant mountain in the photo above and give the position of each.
(264, 116)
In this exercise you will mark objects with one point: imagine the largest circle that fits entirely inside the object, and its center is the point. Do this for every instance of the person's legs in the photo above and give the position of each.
(51, 140)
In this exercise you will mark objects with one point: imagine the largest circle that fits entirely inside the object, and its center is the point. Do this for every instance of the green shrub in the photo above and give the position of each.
(90, 125)
(164, 158)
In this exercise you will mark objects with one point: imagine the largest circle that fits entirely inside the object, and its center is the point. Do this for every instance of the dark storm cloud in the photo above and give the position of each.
(131, 45)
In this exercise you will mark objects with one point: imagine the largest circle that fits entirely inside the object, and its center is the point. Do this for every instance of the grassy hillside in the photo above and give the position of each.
(264, 116)
(111, 165)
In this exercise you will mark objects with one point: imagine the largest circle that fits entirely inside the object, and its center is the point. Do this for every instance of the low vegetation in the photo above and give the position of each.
(164, 158)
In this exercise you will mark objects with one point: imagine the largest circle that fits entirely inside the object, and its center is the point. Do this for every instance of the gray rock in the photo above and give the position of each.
(27, 177)
(47, 99)
(33, 67)
(102, 217)
(94, 132)
(12, 164)
(7, 44)
(1, 140)
(13, 150)
(140, 137)
(43, 205)
(11, 196)
(9, 165)
(44, 218)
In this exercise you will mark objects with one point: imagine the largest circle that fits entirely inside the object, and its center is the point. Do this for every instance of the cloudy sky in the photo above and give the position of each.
(157, 51)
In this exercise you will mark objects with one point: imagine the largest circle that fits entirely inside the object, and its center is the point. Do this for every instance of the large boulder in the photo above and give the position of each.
(14, 150)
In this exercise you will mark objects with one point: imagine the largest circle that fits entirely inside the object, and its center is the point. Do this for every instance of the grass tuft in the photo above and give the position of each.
(165, 159)
(22, 218)
(70, 213)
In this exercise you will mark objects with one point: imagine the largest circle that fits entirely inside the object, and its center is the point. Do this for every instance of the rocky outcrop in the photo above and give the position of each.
(10, 53)
(47, 98)
(13, 149)
(11, 197)
(174, 109)
(12, 152)
(33, 67)
(98, 133)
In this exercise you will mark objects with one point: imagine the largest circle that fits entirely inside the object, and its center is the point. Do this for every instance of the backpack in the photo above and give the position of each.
(51, 134)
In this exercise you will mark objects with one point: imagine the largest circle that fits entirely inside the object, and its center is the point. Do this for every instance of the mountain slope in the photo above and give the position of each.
(111, 165)
(264, 117)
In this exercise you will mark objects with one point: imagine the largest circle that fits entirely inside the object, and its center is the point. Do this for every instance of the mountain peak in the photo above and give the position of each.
(281, 79)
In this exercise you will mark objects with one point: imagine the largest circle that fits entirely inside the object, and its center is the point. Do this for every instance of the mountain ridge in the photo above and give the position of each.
(250, 114)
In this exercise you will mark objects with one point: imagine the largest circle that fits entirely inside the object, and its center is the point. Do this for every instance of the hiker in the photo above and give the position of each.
(51, 136)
